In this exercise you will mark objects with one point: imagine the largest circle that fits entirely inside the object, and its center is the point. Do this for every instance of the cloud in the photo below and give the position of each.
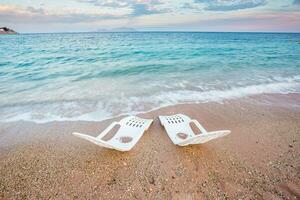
(297, 2)
(189, 6)
(119, 3)
(35, 10)
(143, 9)
(33, 15)
(228, 5)
(271, 21)
(13, 14)
(138, 7)
(152, 15)
(105, 3)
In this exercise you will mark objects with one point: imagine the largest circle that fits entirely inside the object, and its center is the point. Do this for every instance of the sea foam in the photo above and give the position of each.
(94, 110)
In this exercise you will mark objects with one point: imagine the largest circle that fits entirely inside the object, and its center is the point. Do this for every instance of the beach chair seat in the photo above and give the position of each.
(130, 130)
(184, 131)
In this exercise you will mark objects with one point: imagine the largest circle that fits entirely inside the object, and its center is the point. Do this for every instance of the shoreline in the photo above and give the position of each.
(290, 100)
(260, 159)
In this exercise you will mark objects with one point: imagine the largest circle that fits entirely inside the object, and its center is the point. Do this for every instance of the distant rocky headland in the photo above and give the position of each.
(5, 30)
(121, 29)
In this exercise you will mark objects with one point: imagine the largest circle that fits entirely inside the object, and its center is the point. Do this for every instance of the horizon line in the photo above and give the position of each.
(158, 31)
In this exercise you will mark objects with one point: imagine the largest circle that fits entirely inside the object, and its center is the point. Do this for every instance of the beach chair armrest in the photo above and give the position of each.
(149, 124)
(202, 129)
(107, 129)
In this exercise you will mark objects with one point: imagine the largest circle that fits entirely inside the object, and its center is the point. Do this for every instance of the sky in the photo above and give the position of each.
(34, 16)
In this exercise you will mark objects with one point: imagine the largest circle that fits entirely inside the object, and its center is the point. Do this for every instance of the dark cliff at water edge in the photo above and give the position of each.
(5, 30)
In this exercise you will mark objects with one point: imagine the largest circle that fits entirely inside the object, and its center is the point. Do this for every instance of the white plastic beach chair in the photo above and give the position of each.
(130, 131)
(179, 129)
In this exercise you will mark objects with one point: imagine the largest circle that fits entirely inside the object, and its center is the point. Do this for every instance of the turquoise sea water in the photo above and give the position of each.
(92, 76)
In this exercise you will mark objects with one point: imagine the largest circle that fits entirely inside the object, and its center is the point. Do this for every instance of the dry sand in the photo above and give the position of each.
(260, 159)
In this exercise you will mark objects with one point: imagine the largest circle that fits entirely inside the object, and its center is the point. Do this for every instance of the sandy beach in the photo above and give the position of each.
(74, 70)
(260, 159)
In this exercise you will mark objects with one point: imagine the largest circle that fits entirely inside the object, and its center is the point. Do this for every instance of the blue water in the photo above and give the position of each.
(92, 76)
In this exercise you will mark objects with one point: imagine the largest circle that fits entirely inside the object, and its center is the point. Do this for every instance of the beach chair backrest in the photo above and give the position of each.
(135, 122)
(176, 119)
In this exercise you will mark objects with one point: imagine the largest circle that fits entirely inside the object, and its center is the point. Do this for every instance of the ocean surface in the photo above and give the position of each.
(95, 76)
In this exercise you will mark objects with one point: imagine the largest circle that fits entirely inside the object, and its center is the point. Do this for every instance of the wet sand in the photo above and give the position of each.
(260, 159)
